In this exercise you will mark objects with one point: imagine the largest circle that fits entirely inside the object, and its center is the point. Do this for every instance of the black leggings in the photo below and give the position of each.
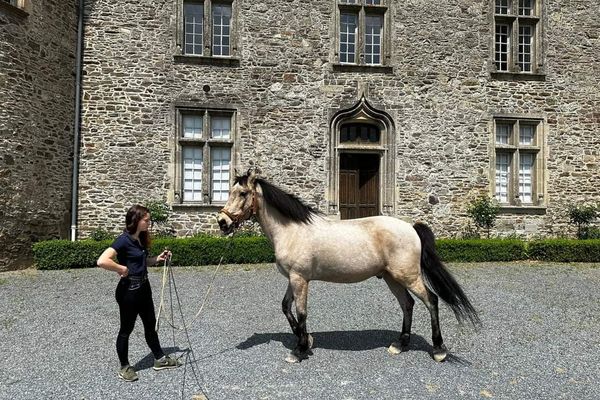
(131, 304)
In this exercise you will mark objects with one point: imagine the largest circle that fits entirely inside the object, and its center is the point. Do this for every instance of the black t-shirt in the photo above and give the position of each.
(131, 253)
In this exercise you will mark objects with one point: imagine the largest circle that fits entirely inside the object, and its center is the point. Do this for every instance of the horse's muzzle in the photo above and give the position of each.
(225, 223)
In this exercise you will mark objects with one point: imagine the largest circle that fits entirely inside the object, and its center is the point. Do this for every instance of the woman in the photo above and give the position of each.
(133, 293)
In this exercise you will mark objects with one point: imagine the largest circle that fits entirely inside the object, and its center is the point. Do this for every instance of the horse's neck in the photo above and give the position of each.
(273, 223)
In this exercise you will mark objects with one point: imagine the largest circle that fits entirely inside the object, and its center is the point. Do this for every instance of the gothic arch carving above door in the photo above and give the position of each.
(362, 129)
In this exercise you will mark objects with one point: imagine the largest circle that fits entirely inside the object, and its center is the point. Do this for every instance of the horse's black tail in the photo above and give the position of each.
(441, 281)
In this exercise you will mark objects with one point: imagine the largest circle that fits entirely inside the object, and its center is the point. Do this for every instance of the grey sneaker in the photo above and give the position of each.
(128, 374)
(165, 362)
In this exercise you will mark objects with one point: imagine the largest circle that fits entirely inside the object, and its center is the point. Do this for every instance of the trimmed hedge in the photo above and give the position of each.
(479, 250)
(207, 250)
(565, 250)
(63, 254)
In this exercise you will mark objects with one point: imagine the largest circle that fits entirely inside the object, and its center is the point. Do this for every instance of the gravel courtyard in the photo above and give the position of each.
(539, 340)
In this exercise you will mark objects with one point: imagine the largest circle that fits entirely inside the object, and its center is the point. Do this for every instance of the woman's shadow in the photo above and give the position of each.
(346, 340)
(148, 361)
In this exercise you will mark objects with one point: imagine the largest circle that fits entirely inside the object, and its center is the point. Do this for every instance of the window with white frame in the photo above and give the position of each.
(207, 28)
(517, 40)
(518, 159)
(205, 145)
(22, 5)
(361, 31)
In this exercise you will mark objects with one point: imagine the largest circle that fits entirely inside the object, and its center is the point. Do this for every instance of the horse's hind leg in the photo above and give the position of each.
(406, 303)
(430, 299)
(299, 288)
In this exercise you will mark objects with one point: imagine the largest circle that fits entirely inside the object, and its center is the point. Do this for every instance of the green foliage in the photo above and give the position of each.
(209, 250)
(100, 234)
(479, 250)
(592, 232)
(483, 211)
(206, 250)
(565, 250)
(64, 254)
(583, 216)
(159, 211)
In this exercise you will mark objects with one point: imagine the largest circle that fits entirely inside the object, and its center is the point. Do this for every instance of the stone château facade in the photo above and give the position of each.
(410, 109)
(37, 61)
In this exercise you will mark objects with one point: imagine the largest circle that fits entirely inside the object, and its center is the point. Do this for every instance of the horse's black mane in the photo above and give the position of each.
(287, 204)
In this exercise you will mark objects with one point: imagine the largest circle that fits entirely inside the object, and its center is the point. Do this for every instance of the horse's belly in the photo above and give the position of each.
(347, 268)
(331, 275)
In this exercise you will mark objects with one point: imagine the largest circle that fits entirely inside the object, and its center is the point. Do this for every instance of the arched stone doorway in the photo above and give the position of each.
(361, 162)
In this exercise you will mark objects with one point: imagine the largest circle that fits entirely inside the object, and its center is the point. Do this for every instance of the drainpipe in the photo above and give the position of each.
(78, 67)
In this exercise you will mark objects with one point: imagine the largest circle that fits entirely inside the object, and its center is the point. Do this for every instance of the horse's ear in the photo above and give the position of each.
(253, 173)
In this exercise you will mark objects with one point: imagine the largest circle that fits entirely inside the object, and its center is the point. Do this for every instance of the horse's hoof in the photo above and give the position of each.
(440, 353)
(395, 348)
(296, 357)
(311, 341)
(292, 359)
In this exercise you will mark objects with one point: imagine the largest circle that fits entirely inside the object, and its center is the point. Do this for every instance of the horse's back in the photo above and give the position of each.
(352, 250)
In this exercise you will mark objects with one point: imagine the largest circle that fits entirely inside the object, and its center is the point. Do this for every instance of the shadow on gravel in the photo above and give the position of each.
(148, 361)
(340, 340)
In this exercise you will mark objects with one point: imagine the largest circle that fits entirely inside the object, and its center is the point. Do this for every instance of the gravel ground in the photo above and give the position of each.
(539, 338)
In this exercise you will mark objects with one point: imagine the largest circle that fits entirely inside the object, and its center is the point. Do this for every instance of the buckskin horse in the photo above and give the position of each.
(309, 247)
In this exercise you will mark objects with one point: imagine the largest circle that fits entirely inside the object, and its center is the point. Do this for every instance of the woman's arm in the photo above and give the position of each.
(150, 261)
(106, 261)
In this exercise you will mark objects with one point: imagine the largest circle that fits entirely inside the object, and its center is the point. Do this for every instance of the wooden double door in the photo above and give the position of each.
(359, 185)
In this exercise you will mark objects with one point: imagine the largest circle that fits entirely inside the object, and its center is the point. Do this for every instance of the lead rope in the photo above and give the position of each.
(171, 322)
(162, 295)
(169, 276)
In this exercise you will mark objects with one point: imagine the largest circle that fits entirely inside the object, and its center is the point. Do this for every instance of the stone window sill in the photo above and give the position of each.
(517, 76)
(203, 60)
(377, 69)
(528, 210)
(197, 206)
(13, 10)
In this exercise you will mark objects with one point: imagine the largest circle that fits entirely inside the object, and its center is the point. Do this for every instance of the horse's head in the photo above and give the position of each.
(241, 204)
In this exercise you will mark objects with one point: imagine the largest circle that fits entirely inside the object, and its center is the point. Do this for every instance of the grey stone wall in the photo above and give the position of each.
(440, 95)
(37, 58)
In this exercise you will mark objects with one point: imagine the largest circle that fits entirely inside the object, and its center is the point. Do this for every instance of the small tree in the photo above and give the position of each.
(483, 211)
(100, 234)
(583, 216)
(159, 211)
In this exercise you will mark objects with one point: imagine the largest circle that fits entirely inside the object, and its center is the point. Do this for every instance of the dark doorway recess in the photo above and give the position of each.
(359, 185)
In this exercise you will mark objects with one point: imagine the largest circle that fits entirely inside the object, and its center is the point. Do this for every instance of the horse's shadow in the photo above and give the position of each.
(339, 340)
(347, 340)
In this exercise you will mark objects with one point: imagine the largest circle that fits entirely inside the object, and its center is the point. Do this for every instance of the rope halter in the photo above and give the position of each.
(242, 216)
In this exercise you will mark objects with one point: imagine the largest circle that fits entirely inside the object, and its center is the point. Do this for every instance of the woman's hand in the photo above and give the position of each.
(165, 255)
(106, 261)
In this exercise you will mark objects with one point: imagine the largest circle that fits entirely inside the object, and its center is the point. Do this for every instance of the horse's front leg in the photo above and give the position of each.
(286, 307)
(299, 289)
